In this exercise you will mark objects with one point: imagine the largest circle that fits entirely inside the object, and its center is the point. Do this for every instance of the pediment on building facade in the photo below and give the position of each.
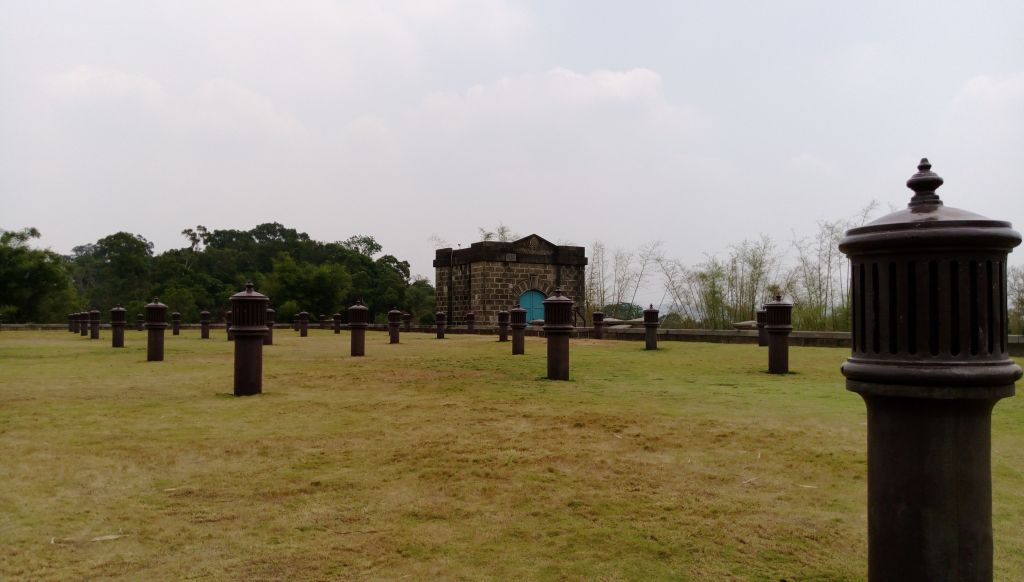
(533, 245)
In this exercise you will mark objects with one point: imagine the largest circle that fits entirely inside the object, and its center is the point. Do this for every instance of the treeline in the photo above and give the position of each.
(298, 273)
(729, 287)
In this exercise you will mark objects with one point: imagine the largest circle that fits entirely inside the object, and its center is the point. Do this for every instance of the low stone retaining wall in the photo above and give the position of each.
(821, 339)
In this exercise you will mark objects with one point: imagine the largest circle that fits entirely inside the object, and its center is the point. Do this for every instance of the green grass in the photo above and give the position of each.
(447, 459)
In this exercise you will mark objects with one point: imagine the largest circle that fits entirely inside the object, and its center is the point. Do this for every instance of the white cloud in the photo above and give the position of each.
(558, 88)
(223, 105)
(989, 109)
(558, 120)
(980, 138)
(87, 84)
(807, 162)
(220, 107)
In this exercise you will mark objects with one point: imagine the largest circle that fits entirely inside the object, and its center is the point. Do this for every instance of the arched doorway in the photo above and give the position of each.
(533, 302)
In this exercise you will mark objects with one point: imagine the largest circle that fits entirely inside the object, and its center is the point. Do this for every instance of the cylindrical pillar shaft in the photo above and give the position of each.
(249, 319)
(358, 319)
(94, 324)
(557, 326)
(83, 324)
(929, 489)
(518, 340)
(503, 319)
(394, 324)
(779, 324)
(558, 355)
(358, 334)
(651, 337)
(651, 322)
(517, 317)
(268, 338)
(156, 324)
(155, 344)
(248, 363)
(778, 352)
(175, 323)
(204, 325)
(118, 321)
(440, 320)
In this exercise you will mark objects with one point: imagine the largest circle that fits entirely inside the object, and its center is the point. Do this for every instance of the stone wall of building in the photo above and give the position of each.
(490, 276)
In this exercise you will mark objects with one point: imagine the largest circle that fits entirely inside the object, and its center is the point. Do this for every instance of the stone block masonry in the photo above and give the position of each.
(491, 276)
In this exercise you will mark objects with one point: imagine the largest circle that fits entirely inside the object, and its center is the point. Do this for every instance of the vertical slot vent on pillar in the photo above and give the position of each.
(875, 333)
(860, 312)
(854, 332)
(990, 316)
(1003, 319)
(954, 308)
(933, 308)
(972, 275)
(893, 309)
(911, 307)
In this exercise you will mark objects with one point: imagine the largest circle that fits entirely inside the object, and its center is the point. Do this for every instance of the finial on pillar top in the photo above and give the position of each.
(924, 184)
(778, 297)
(651, 306)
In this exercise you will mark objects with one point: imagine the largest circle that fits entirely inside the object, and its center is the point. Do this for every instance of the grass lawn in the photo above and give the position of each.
(448, 459)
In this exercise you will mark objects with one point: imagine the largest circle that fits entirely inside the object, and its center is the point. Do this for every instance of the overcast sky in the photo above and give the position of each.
(696, 123)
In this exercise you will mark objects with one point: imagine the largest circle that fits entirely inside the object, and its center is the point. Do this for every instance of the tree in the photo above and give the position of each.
(420, 301)
(282, 262)
(35, 284)
(362, 244)
(113, 270)
(751, 268)
(500, 233)
(624, 310)
(819, 283)
(314, 288)
(1015, 288)
(597, 279)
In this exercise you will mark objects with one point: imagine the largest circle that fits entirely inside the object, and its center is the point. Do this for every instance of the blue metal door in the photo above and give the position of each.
(533, 302)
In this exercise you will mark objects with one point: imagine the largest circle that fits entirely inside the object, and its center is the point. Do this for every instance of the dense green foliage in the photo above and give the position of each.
(623, 310)
(298, 273)
(34, 284)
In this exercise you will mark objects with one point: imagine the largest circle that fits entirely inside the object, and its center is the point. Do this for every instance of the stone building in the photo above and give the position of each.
(490, 276)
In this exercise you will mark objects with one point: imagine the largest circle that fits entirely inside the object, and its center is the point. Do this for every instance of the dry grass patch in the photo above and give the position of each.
(441, 459)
